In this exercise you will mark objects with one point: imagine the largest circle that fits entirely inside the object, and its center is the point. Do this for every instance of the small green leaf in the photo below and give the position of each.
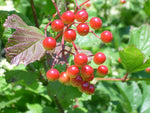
(140, 37)
(133, 60)
(34, 108)
(63, 94)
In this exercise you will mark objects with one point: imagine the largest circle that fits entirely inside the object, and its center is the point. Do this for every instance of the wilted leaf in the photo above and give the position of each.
(25, 45)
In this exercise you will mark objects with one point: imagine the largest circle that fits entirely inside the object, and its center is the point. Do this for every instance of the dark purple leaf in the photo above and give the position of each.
(25, 45)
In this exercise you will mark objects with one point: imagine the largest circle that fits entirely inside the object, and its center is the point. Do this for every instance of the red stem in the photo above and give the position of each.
(125, 77)
(77, 4)
(56, 8)
(94, 34)
(83, 3)
(46, 28)
(69, 52)
(75, 47)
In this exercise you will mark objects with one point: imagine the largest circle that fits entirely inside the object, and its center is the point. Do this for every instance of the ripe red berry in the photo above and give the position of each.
(81, 16)
(49, 43)
(84, 86)
(57, 25)
(106, 36)
(76, 82)
(88, 79)
(99, 58)
(147, 70)
(52, 74)
(95, 23)
(91, 89)
(68, 17)
(69, 35)
(88, 4)
(102, 70)
(80, 60)
(73, 71)
(86, 71)
(64, 78)
(83, 29)
(122, 1)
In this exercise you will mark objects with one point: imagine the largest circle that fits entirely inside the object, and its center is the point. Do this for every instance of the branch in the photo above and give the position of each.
(34, 13)
(56, 8)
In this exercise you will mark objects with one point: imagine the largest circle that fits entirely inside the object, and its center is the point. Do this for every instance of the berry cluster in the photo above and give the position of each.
(80, 74)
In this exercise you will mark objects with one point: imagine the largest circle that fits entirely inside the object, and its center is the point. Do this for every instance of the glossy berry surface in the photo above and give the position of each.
(147, 70)
(52, 74)
(80, 60)
(64, 78)
(83, 29)
(57, 25)
(90, 78)
(106, 36)
(95, 23)
(81, 16)
(122, 1)
(102, 70)
(68, 17)
(76, 82)
(49, 43)
(73, 71)
(69, 35)
(99, 58)
(87, 71)
(84, 86)
(91, 89)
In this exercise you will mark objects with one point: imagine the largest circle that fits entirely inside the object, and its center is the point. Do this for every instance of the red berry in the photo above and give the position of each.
(80, 60)
(75, 106)
(84, 86)
(52, 74)
(87, 71)
(69, 35)
(81, 16)
(83, 29)
(102, 70)
(106, 36)
(122, 1)
(49, 43)
(68, 17)
(76, 82)
(91, 89)
(95, 23)
(147, 70)
(88, 79)
(99, 58)
(73, 71)
(57, 25)
(119, 60)
(88, 4)
(54, 15)
(64, 78)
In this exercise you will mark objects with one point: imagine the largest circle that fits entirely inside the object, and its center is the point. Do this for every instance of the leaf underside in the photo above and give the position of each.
(25, 45)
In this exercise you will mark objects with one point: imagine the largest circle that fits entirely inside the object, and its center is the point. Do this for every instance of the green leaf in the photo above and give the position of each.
(131, 94)
(4, 104)
(133, 60)
(140, 37)
(25, 45)
(145, 108)
(34, 108)
(18, 75)
(63, 94)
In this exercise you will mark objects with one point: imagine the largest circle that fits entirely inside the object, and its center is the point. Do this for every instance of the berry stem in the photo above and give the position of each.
(69, 52)
(56, 8)
(125, 77)
(46, 28)
(83, 3)
(75, 47)
(77, 4)
(58, 35)
(54, 62)
(63, 48)
(94, 34)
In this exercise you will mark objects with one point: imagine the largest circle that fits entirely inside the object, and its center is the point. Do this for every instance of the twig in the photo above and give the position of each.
(34, 13)
(56, 8)
(94, 34)
(46, 28)
(125, 77)
(75, 47)
(83, 3)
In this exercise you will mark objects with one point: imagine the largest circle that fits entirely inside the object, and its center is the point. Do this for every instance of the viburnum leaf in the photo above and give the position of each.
(25, 45)
(133, 59)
